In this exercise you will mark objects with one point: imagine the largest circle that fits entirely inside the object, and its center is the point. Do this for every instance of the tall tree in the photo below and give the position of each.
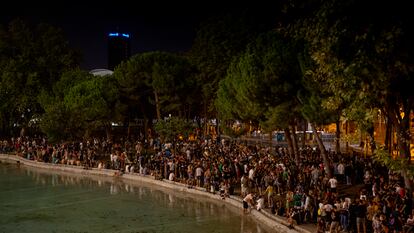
(262, 85)
(57, 121)
(218, 41)
(95, 102)
(365, 61)
(32, 59)
(159, 83)
(80, 104)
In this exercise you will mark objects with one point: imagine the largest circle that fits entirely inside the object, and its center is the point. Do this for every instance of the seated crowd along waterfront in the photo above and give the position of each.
(303, 194)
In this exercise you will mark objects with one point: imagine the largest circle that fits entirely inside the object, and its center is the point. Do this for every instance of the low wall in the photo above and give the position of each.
(276, 223)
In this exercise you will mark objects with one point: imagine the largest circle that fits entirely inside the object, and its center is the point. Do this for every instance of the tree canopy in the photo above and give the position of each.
(161, 83)
(31, 60)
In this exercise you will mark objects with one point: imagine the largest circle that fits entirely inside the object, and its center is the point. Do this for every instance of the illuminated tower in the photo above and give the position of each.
(119, 48)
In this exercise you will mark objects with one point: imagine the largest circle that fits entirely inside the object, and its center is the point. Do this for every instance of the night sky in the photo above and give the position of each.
(153, 25)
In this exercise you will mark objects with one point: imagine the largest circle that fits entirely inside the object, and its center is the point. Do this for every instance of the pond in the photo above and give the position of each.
(38, 200)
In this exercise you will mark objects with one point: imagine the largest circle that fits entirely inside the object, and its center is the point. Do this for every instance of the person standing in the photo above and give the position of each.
(199, 175)
(252, 181)
(248, 200)
(348, 173)
(334, 220)
(409, 225)
(332, 184)
(341, 172)
(315, 176)
(360, 213)
(244, 185)
(307, 207)
(344, 213)
(207, 176)
(269, 191)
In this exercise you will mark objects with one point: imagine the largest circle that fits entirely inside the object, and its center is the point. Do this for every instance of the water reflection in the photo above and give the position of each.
(108, 201)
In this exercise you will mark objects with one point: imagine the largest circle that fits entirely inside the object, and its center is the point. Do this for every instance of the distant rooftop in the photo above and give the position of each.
(101, 72)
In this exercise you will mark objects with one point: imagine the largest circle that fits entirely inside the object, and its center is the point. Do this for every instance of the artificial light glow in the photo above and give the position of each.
(116, 34)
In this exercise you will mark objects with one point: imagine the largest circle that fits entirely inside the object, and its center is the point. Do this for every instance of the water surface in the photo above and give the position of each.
(37, 200)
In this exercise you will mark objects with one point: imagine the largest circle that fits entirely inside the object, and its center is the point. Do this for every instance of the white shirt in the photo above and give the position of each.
(199, 171)
(243, 181)
(315, 174)
(188, 152)
(307, 202)
(333, 182)
(171, 177)
(251, 174)
(328, 207)
(341, 169)
(260, 203)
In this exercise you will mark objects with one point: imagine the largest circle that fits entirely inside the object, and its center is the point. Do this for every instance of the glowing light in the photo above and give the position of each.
(116, 34)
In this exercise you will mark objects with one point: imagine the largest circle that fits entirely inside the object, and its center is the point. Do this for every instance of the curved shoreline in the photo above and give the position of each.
(275, 223)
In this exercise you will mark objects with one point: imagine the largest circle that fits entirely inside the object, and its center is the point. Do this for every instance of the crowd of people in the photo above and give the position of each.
(266, 178)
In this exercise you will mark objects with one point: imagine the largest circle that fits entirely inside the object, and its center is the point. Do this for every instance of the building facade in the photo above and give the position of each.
(119, 48)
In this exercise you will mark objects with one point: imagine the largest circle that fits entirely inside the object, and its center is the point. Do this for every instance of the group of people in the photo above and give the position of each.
(266, 178)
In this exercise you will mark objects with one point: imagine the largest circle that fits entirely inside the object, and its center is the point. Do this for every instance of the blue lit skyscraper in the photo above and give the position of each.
(119, 48)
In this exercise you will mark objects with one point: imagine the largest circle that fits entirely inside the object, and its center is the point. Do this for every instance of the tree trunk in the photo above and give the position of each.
(408, 182)
(346, 133)
(23, 132)
(388, 130)
(289, 142)
(295, 145)
(324, 154)
(3, 126)
(205, 118)
(304, 134)
(403, 138)
(157, 105)
(372, 142)
(145, 128)
(86, 134)
(271, 139)
(338, 137)
(108, 131)
(188, 115)
(402, 125)
(217, 131)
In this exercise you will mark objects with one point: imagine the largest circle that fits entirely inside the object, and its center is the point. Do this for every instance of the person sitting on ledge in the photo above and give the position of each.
(260, 203)
(290, 220)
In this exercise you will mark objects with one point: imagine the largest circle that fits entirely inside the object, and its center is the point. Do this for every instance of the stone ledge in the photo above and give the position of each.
(276, 223)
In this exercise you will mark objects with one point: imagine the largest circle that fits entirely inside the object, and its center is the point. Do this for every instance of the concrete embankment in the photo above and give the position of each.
(275, 223)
